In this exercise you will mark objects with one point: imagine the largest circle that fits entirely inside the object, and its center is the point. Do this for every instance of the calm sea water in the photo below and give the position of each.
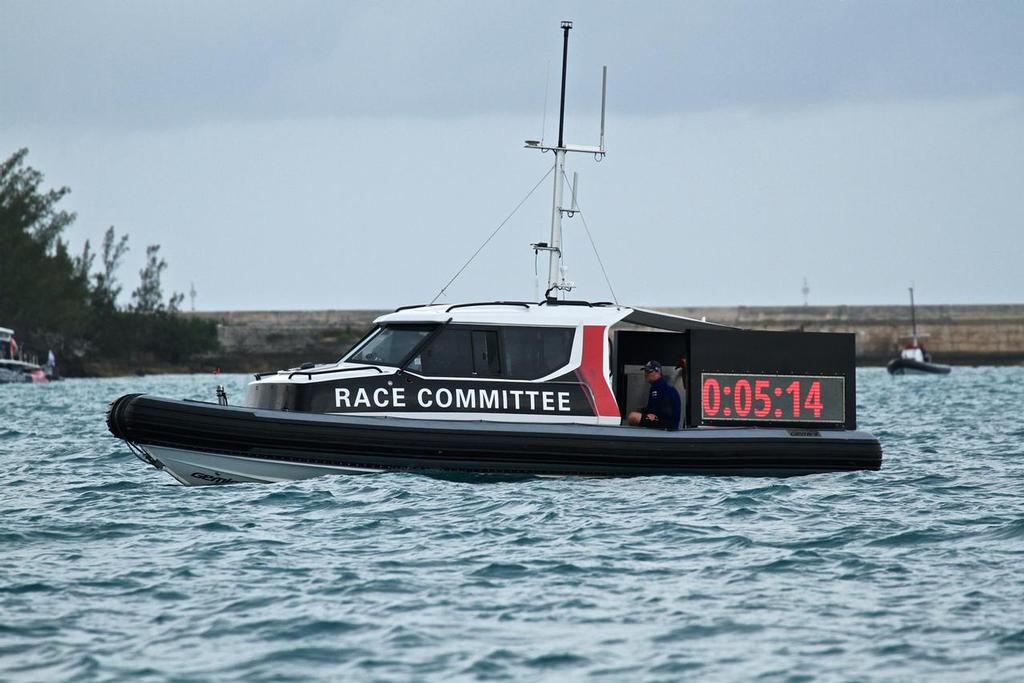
(109, 570)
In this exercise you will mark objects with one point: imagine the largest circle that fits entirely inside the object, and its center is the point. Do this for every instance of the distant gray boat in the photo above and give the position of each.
(914, 358)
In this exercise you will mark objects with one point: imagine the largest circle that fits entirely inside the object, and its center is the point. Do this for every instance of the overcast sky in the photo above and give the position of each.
(342, 155)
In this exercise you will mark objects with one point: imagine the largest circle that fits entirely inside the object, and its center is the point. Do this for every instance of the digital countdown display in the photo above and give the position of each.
(772, 398)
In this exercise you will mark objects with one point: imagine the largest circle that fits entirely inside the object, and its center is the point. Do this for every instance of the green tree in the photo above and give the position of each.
(42, 289)
(83, 263)
(24, 208)
(105, 289)
(56, 301)
(149, 295)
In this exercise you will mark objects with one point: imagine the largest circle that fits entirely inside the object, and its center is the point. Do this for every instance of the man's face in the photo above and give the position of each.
(652, 376)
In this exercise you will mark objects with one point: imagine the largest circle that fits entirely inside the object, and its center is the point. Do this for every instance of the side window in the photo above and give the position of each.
(485, 353)
(450, 354)
(533, 352)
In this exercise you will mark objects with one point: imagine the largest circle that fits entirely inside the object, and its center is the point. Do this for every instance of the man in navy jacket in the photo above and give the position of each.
(663, 403)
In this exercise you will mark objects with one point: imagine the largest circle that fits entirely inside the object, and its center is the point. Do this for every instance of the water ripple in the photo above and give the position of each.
(109, 571)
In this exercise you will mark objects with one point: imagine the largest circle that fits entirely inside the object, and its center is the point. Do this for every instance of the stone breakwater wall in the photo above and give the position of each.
(270, 340)
(957, 334)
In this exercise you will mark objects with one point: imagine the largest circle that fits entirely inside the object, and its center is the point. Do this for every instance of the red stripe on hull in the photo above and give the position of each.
(592, 372)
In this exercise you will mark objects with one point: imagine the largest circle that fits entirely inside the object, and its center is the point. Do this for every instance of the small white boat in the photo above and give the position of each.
(17, 371)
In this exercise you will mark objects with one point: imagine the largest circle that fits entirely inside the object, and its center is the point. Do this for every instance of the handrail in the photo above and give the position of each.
(524, 304)
(571, 302)
(261, 375)
(405, 308)
(309, 375)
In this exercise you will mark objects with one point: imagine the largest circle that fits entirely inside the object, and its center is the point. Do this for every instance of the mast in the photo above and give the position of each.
(566, 26)
(556, 271)
(913, 317)
(555, 279)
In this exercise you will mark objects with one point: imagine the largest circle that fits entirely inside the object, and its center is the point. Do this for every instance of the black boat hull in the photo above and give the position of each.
(901, 366)
(204, 443)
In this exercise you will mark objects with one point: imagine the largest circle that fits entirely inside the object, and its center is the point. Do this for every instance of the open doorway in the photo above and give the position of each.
(631, 349)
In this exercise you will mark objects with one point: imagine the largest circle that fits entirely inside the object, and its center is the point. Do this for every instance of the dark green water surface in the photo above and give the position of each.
(109, 570)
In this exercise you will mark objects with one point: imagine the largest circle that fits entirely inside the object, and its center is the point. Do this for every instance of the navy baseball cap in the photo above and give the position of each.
(652, 366)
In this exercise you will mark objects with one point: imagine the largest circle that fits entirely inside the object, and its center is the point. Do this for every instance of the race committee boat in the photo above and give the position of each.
(524, 388)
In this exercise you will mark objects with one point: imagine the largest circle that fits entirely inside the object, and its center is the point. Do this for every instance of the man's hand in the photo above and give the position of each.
(651, 417)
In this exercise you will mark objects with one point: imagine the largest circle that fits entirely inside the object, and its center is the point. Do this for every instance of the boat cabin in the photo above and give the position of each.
(569, 362)
(912, 352)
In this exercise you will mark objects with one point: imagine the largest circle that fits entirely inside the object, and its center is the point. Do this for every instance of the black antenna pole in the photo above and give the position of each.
(566, 25)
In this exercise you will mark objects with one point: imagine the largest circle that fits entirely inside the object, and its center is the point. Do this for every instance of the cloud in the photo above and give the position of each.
(139, 65)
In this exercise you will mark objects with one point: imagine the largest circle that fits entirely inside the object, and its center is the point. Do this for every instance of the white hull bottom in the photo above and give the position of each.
(195, 468)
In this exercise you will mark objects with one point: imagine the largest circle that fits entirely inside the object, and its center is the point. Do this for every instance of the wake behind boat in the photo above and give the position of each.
(524, 388)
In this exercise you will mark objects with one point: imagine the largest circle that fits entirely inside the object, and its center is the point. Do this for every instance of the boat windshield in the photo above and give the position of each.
(390, 345)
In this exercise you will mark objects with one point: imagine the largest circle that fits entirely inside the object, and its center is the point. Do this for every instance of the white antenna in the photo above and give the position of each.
(604, 94)
(544, 117)
(556, 271)
(575, 184)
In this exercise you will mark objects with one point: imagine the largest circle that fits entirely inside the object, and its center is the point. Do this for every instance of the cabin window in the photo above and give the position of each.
(460, 352)
(535, 352)
(448, 355)
(485, 352)
(390, 345)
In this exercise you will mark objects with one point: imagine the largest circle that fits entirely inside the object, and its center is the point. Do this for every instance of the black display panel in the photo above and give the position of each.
(773, 398)
(780, 358)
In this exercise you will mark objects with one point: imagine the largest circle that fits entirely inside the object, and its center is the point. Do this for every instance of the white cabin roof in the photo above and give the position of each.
(544, 314)
(511, 313)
